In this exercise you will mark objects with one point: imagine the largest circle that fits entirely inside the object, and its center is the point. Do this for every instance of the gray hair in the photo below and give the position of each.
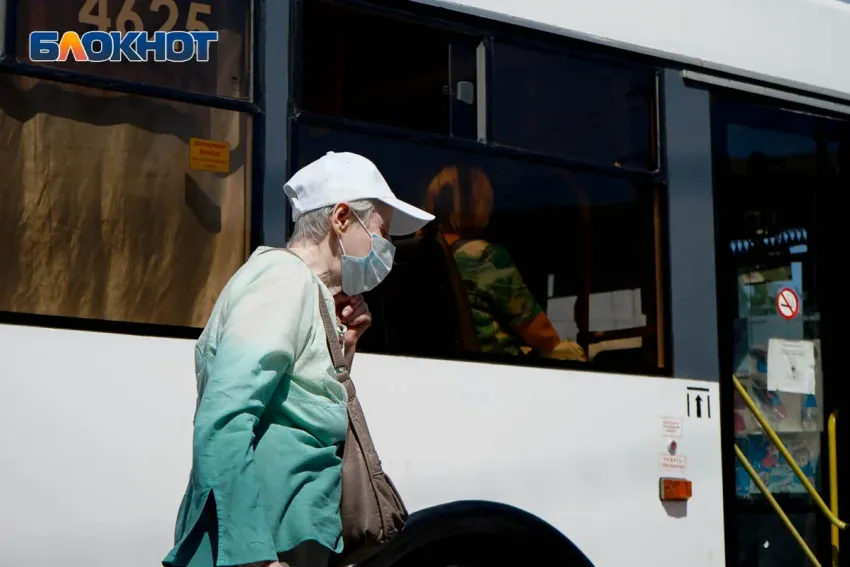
(313, 226)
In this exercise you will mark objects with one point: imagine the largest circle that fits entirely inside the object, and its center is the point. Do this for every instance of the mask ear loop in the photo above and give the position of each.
(338, 235)
(363, 224)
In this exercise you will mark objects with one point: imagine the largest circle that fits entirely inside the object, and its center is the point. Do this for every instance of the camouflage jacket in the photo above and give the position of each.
(499, 298)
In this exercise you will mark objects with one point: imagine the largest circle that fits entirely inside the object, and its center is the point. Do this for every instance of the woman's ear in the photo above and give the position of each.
(340, 218)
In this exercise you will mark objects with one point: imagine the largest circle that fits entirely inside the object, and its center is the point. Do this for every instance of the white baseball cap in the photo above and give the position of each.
(342, 177)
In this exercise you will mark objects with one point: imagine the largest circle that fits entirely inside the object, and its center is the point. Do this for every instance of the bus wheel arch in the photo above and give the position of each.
(478, 533)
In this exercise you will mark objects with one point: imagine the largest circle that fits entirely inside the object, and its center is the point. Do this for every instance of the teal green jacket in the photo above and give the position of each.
(269, 421)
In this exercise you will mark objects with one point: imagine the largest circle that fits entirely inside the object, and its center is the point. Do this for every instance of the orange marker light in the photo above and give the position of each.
(675, 489)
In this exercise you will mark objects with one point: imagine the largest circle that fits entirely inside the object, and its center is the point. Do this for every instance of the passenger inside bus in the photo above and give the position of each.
(506, 317)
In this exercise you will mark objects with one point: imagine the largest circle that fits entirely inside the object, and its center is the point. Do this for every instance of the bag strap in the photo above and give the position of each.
(337, 356)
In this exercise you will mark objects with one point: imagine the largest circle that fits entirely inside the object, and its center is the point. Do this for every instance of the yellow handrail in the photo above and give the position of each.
(776, 507)
(833, 482)
(774, 438)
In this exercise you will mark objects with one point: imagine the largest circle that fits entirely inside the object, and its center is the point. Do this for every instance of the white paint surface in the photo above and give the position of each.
(804, 41)
(96, 449)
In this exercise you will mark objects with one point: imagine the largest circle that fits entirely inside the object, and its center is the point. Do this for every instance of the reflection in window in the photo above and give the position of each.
(573, 108)
(506, 316)
(376, 69)
(519, 240)
(101, 216)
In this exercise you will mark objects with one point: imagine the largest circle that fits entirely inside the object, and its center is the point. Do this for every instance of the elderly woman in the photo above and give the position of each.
(265, 485)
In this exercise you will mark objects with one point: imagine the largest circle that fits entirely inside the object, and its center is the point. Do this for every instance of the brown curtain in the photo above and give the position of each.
(100, 214)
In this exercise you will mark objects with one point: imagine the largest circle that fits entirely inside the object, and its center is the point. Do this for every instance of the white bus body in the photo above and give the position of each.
(582, 451)
(87, 417)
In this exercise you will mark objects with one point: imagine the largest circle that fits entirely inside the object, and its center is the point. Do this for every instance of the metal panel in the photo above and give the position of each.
(277, 45)
(693, 289)
(481, 80)
(2, 28)
(765, 91)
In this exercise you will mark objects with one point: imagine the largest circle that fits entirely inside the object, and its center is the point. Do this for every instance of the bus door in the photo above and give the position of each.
(778, 174)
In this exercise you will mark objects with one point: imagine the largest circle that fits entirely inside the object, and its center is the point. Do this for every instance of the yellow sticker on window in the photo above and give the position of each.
(209, 155)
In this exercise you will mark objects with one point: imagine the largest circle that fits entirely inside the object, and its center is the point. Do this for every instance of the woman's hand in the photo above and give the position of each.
(353, 312)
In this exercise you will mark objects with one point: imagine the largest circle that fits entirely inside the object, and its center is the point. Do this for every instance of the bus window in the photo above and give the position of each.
(574, 108)
(226, 74)
(387, 71)
(105, 213)
(529, 259)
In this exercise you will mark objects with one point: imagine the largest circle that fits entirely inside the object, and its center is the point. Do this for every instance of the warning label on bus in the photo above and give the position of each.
(673, 463)
(671, 426)
(209, 155)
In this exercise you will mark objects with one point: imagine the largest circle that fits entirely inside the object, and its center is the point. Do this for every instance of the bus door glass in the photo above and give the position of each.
(773, 171)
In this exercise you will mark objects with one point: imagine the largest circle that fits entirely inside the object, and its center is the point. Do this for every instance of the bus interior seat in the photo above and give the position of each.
(424, 303)
(626, 358)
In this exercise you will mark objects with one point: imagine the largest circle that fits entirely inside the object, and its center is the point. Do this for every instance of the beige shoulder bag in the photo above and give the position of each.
(371, 509)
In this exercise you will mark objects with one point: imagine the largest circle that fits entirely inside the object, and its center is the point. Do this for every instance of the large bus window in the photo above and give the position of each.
(226, 74)
(574, 108)
(377, 69)
(523, 261)
(105, 212)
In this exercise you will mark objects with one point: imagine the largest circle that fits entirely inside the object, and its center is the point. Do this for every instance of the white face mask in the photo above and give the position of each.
(360, 275)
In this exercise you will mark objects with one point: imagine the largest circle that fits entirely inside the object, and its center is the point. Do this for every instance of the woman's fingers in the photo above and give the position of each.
(362, 319)
(356, 307)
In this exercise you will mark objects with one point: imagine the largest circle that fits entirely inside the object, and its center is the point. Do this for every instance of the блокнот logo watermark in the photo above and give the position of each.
(113, 46)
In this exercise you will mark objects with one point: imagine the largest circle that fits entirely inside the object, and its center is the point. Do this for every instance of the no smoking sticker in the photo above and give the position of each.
(787, 303)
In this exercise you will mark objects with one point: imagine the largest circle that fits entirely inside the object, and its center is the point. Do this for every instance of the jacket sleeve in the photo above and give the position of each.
(513, 302)
(265, 324)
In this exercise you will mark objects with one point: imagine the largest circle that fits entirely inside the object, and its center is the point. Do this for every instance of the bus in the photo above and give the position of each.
(665, 177)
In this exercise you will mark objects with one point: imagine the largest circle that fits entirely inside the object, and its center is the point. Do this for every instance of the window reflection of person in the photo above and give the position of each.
(507, 317)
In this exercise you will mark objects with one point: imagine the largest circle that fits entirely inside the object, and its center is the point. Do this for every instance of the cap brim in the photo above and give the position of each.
(407, 219)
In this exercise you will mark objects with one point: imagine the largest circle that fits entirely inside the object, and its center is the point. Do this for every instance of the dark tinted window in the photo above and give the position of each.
(227, 73)
(573, 108)
(578, 247)
(766, 160)
(376, 69)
